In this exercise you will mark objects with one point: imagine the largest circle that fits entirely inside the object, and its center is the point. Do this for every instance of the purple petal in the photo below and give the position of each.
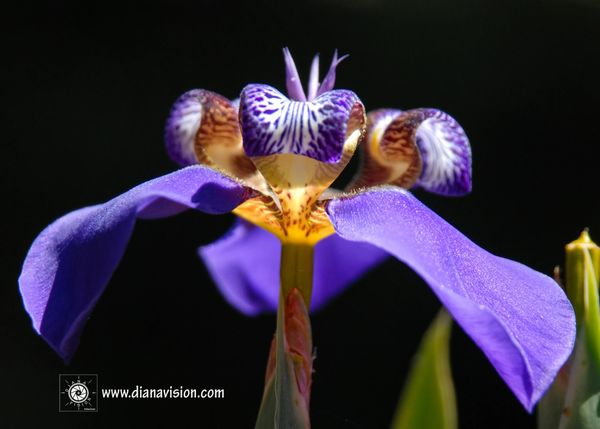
(188, 114)
(245, 266)
(272, 124)
(292, 80)
(329, 80)
(72, 260)
(446, 155)
(520, 318)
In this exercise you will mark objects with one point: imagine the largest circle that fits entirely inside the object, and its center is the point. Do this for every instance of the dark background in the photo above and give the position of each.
(86, 90)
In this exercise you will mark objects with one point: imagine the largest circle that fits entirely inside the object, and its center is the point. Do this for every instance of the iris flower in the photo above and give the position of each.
(270, 159)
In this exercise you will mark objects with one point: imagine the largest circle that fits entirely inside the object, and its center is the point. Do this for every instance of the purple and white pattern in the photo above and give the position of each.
(182, 126)
(446, 155)
(273, 124)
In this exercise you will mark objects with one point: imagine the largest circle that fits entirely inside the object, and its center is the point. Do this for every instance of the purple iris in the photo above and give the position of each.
(271, 159)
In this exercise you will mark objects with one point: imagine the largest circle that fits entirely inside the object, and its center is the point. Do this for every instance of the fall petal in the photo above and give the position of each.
(245, 266)
(70, 263)
(521, 319)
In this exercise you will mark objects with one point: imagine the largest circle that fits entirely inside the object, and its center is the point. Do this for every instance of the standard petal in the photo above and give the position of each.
(520, 318)
(245, 266)
(273, 124)
(423, 147)
(72, 260)
(390, 154)
(183, 123)
(446, 154)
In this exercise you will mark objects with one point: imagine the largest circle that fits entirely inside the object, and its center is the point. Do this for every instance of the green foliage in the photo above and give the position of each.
(573, 401)
(428, 399)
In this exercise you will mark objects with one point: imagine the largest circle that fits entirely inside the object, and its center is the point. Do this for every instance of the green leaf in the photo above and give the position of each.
(573, 400)
(428, 399)
(550, 407)
(582, 401)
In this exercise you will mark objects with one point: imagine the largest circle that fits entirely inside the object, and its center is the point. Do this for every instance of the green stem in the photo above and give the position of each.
(296, 270)
(287, 388)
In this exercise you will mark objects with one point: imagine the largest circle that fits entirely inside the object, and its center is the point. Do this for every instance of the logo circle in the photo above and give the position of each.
(78, 393)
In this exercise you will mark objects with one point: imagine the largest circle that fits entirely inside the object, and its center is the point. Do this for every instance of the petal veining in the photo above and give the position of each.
(273, 124)
(419, 147)
(300, 148)
(446, 155)
(390, 154)
(203, 128)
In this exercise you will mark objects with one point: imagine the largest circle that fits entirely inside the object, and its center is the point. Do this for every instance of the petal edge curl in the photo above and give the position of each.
(70, 263)
(520, 318)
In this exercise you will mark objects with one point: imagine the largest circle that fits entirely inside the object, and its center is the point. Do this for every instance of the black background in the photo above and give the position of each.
(86, 90)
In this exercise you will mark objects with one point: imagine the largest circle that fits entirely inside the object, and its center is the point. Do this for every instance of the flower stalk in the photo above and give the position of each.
(297, 270)
(288, 379)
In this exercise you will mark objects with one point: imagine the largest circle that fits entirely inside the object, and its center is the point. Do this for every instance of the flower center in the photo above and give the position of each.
(295, 211)
(300, 146)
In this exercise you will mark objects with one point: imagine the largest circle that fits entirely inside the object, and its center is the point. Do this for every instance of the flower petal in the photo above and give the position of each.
(183, 124)
(390, 153)
(446, 154)
(424, 147)
(245, 266)
(72, 260)
(520, 318)
(273, 124)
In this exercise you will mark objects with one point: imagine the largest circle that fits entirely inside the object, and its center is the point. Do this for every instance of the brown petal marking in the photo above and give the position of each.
(264, 212)
(291, 208)
(219, 141)
(390, 155)
(309, 224)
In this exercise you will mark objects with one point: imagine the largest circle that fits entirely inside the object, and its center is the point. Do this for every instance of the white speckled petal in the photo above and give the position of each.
(273, 124)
